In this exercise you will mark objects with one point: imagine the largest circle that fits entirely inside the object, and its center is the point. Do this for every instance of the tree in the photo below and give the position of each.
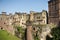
(55, 33)
(20, 32)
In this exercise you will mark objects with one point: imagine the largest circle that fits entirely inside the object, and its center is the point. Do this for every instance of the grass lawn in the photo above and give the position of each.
(4, 35)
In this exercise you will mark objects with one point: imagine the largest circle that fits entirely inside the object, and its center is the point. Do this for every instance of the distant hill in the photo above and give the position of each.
(4, 35)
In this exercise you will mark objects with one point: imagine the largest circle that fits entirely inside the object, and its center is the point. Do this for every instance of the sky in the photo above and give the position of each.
(11, 6)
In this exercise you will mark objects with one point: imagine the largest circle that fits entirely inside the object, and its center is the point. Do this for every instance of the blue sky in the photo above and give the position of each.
(11, 6)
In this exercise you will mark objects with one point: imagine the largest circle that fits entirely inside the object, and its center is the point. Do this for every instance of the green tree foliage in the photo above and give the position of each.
(36, 37)
(55, 33)
(20, 32)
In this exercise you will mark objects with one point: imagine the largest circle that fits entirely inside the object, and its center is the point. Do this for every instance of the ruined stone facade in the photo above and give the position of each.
(8, 22)
(39, 17)
(54, 11)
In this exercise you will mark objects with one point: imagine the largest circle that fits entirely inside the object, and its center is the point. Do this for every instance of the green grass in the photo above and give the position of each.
(4, 35)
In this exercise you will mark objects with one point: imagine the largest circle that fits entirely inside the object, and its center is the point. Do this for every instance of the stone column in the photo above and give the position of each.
(29, 30)
(29, 33)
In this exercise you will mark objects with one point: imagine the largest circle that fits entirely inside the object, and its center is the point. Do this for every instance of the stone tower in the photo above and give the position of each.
(54, 11)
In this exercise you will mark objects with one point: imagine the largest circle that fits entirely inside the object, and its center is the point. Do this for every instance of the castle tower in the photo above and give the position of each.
(54, 11)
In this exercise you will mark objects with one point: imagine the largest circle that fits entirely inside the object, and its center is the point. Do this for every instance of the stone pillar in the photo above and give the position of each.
(29, 33)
